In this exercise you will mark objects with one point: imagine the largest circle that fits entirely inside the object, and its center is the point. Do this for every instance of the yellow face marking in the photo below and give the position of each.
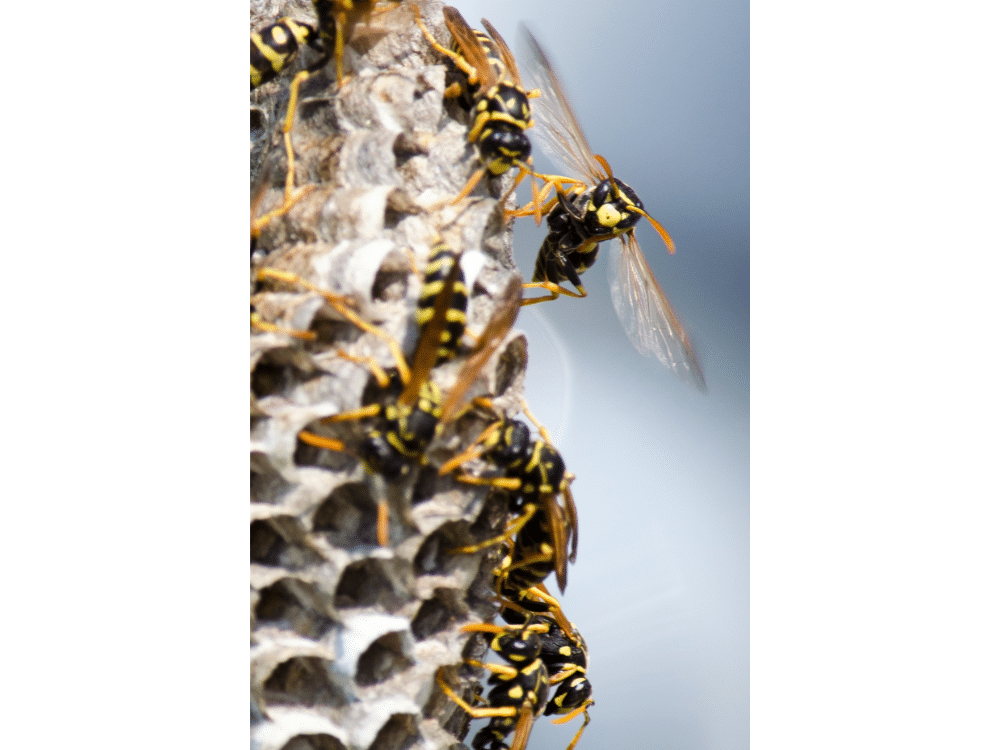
(608, 216)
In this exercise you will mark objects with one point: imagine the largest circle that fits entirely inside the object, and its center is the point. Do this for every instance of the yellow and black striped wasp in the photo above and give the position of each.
(564, 654)
(544, 532)
(520, 688)
(411, 408)
(597, 207)
(336, 22)
(491, 89)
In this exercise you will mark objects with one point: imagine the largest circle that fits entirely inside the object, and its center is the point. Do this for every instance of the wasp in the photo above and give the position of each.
(564, 654)
(520, 687)
(336, 22)
(544, 531)
(412, 408)
(596, 207)
(565, 661)
(492, 90)
(273, 47)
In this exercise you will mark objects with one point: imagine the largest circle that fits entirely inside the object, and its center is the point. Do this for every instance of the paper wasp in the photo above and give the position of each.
(564, 659)
(544, 531)
(336, 22)
(597, 207)
(492, 90)
(520, 687)
(411, 408)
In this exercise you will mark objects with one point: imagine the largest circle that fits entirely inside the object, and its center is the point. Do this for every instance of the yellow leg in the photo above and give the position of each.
(291, 196)
(512, 529)
(554, 291)
(380, 375)
(341, 305)
(475, 713)
(318, 441)
(261, 325)
(383, 522)
(462, 64)
(352, 416)
(471, 452)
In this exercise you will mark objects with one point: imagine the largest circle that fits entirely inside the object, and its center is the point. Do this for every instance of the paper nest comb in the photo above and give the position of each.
(346, 636)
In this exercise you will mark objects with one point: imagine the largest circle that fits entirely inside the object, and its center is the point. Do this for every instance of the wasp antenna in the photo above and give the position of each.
(611, 176)
(659, 229)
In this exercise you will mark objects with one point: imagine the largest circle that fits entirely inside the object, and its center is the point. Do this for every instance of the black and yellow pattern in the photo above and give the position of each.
(440, 266)
(490, 87)
(520, 687)
(273, 47)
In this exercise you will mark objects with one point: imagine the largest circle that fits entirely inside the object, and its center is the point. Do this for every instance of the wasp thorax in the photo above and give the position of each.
(520, 647)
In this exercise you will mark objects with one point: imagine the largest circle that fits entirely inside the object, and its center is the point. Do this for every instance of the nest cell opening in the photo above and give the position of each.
(302, 681)
(399, 733)
(438, 613)
(280, 606)
(386, 657)
(348, 518)
(372, 582)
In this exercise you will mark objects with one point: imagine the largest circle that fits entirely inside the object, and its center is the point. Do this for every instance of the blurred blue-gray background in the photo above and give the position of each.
(660, 589)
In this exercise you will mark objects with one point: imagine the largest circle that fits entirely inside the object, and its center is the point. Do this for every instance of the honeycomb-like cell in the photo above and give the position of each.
(347, 636)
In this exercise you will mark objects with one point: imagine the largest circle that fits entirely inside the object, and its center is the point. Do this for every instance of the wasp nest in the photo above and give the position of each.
(347, 635)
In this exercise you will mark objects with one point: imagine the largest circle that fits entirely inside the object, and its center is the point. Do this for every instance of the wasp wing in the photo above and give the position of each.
(650, 322)
(525, 720)
(427, 348)
(561, 134)
(492, 336)
(505, 54)
(471, 48)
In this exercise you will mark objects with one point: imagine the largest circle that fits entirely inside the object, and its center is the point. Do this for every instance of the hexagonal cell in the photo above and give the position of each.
(433, 557)
(399, 733)
(313, 742)
(383, 659)
(279, 606)
(372, 582)
(269, 547)
(268, 488)
(300, 682)
(275, 373)
(438, 613)
(348, 517)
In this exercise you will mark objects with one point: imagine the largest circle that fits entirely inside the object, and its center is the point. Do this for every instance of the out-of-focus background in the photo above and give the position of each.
(660, 590)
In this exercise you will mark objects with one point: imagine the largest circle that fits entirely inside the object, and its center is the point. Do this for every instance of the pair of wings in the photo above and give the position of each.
(648, 318)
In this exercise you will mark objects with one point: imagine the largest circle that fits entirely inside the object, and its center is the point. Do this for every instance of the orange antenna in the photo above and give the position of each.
(611, 176)
(660, 230)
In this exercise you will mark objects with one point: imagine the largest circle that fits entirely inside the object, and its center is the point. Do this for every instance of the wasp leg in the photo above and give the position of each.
(261, 325)
(512, 529)
(572, 715)
(318, 441)
(471, 452)
(554, 291)
(475, 713)
(463, 65)
(291, 196)
(341, 305)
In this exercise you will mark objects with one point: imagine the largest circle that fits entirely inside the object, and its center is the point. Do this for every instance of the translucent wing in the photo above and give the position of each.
(472, 50)
(430, 339)
(562, 137)
(505, 53)
(492, 336)
(649, 320)
(525, 720)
